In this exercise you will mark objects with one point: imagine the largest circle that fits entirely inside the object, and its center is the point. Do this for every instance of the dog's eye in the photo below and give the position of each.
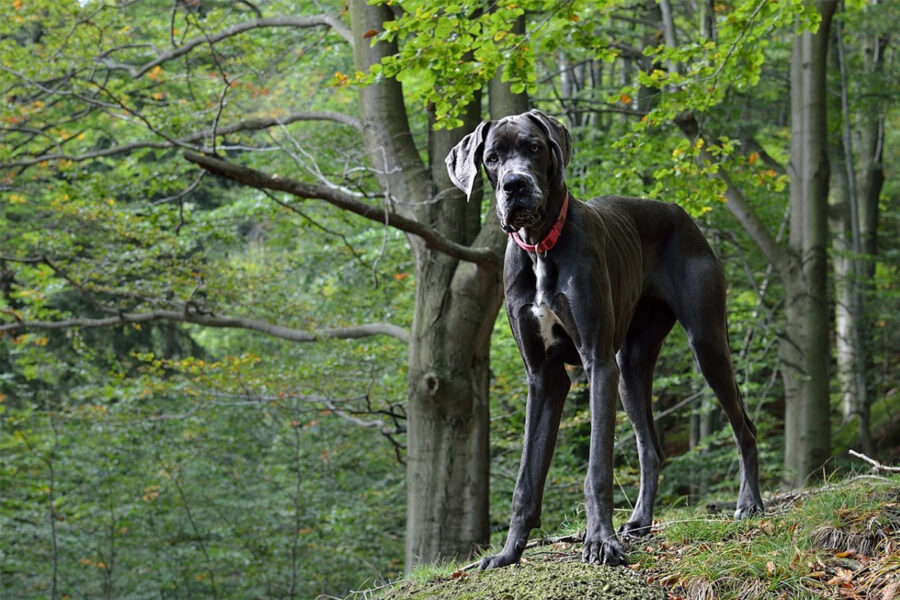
(490, 158)
(535, 148)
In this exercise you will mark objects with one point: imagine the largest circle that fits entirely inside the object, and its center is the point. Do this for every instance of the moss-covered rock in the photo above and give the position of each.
(556, 580)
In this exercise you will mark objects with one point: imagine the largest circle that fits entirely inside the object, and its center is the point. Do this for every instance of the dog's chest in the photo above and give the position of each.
(543, 314)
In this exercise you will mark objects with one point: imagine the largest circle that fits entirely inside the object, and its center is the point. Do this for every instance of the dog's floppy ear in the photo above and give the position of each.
(464, 159)
(560, 141)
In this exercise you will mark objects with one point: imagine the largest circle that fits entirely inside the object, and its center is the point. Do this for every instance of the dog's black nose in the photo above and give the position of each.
(516, 184)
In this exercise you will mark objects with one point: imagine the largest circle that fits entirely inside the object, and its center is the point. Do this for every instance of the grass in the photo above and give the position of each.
(841, 540)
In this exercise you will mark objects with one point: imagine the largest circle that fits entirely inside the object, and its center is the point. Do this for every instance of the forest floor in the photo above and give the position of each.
(840, 540)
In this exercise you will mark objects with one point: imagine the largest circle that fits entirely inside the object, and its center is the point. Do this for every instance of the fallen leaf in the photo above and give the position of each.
(843, 576)
(459, 573)
(770, 568)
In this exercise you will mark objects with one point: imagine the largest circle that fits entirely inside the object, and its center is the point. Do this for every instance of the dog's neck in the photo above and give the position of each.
(531, 238)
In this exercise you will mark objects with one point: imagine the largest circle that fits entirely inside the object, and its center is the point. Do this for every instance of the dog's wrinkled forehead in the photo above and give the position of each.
(509, 130)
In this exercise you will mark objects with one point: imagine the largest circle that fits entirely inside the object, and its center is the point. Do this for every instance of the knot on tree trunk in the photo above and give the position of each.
(432, 383)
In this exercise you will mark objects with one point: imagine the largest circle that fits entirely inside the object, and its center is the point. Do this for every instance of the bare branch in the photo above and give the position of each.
(877, 466)
(432, 238)
(212, 320)
(245, 125)
(324, 20)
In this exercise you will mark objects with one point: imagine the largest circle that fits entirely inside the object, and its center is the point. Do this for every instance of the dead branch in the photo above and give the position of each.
(323, 20)
(875, 464)
(211, 320)
(432, 238)
(240, 126)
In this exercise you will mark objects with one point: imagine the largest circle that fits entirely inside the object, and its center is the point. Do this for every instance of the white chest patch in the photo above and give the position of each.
(546, 318)
(540, 273)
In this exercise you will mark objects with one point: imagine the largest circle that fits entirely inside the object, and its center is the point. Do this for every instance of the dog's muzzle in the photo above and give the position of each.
(519, 202)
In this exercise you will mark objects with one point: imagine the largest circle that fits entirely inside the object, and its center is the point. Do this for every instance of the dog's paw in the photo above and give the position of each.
(604, 552)
(634, 529)
(497, 560)
(751, 509)
(510, 554)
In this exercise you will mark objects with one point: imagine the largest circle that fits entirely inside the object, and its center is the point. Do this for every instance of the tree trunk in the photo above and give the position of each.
(502, 101)
(856, 193)
(449, 377)
(805, 345)
(456, 306)
(448, 412)
(869, 182)
(846, 301)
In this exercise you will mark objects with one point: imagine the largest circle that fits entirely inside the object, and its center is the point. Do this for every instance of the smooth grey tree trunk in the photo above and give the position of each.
(858, 183)
(847, 307)
(804, 350)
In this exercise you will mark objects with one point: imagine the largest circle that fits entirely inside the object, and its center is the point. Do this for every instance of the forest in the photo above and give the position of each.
(252, 342)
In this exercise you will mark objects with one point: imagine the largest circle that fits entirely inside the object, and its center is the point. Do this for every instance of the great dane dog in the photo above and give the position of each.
(600, 284)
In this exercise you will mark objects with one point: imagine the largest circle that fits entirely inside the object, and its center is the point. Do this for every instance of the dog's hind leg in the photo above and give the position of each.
(651, 323)
(708, 338)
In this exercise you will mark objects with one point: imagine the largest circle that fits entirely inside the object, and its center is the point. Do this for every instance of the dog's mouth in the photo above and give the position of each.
(520, 217)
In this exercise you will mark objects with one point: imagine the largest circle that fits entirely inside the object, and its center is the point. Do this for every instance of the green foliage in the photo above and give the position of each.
(162, 460)
(447, 51)
(156, 494)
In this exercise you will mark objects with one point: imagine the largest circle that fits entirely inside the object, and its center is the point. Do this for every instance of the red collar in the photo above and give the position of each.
(552, 236)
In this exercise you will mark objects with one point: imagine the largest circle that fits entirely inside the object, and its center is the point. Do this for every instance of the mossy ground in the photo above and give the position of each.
(536, 580)
(839, 541)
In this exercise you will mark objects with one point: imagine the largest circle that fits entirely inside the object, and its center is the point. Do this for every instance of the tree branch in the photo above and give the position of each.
(738, 204)
(245, 125)
(258, 179)
(323, 20)
(211, 320)
(876, 466)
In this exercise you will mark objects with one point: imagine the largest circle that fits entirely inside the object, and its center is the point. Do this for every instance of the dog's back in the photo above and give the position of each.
(676, 260)
(656, 222)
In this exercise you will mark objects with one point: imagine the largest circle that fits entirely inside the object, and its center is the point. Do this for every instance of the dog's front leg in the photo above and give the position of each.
(601, 546)
(548, 385)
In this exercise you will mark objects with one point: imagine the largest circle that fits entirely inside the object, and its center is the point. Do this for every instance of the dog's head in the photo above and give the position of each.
(525, 158)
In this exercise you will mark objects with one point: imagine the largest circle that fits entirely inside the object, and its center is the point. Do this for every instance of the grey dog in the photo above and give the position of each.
(600, 284)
